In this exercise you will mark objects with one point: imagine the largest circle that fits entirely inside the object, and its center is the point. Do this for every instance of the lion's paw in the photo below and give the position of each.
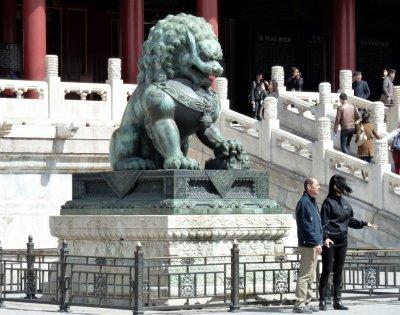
(181, 163)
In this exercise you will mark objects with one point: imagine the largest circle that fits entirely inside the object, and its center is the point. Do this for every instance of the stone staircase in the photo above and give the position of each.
(53, 137)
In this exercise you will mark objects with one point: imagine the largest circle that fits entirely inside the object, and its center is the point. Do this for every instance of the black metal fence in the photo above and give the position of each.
(138, 283)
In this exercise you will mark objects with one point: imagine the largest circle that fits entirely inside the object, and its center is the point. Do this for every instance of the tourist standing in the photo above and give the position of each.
(257, 94)
(365, 133)
(360, 87)
(336, 218)
(387, 90)
(346, 116)
(309, 234)
(295, 82)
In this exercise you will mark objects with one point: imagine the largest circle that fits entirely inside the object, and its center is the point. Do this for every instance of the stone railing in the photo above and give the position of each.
(66, 102)
(372, 183)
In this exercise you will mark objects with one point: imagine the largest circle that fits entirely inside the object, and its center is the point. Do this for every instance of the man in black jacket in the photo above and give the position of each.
(360, 87)
(309, 234)
(295, 82)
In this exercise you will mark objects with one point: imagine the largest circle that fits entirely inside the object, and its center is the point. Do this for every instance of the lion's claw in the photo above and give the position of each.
(184, 163)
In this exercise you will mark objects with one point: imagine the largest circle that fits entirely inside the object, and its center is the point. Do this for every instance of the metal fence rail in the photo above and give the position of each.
(139, 284)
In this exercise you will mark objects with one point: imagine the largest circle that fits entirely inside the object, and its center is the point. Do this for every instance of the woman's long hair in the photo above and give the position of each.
(341, 186)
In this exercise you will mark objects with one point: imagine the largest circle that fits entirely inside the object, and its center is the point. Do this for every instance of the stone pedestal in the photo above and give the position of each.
(172, 213)
(170, 235)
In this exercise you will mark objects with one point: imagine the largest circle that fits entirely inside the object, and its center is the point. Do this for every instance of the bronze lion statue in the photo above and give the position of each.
(174, 100)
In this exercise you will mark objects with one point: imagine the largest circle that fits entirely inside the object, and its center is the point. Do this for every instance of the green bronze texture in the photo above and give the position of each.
(166, 192)
(174, 100)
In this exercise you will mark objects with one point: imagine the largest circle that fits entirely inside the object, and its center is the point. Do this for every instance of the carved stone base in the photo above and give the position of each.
(170, 235)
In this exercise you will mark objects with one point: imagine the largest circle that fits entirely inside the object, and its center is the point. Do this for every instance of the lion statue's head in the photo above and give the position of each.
(181, 46)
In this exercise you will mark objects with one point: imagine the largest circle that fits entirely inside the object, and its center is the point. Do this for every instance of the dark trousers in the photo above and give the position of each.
(257, 109)
(345, 139)
(333, 259)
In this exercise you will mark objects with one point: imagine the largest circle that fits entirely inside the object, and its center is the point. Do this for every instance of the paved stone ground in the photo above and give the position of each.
(376, 306)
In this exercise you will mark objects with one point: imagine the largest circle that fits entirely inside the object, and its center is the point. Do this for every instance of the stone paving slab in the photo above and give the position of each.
(378, 306)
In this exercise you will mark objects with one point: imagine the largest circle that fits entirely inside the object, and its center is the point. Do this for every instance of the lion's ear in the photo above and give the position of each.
(192, 43)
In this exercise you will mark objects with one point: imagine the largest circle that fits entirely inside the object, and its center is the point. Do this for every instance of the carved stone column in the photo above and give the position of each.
(378, 116)
(51, 66)
(53, 80)
(114, 69)
(222, 91)
(278, 74)
(325, 100)
(118, 96)
(345, 84)
(323, 143)
(267, 125)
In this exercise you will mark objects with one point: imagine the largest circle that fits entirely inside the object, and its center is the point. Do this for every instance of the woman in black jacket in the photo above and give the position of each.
(336, 218)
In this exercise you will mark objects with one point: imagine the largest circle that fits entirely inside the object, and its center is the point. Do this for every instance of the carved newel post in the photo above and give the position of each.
(380, 167)
(395, 110)
(267, 125)
(378, 116)
(118, 98)
(345, 82)
(323, 143)
(278, 74)
(53, 81)
(222, 91)
(325, 100)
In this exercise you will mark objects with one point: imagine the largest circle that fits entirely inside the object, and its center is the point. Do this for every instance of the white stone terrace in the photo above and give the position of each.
(44, 140)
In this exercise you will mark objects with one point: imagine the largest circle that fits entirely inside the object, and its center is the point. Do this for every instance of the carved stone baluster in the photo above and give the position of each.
(222, 87)
(19, 92)
(346, 79)
(83, 95)
(278, 74)
(325, 100)
(378, 116)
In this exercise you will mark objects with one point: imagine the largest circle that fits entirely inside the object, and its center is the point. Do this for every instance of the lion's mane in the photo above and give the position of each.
(166, 41)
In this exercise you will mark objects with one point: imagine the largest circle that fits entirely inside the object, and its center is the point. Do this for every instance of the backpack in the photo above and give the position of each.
(396, 143)
(362, 137)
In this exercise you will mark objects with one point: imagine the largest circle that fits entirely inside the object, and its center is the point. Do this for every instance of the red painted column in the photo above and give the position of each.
(208, 9)
(8, 18)
(34, 19)
(132, 17)
(344, 36)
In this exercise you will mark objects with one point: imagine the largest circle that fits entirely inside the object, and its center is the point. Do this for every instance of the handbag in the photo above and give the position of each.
(362, 137)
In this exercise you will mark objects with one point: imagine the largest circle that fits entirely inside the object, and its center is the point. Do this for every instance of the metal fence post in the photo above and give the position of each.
(234, 307)
(1, 275)
(138, 282)
(62, 282)
(30, 275)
